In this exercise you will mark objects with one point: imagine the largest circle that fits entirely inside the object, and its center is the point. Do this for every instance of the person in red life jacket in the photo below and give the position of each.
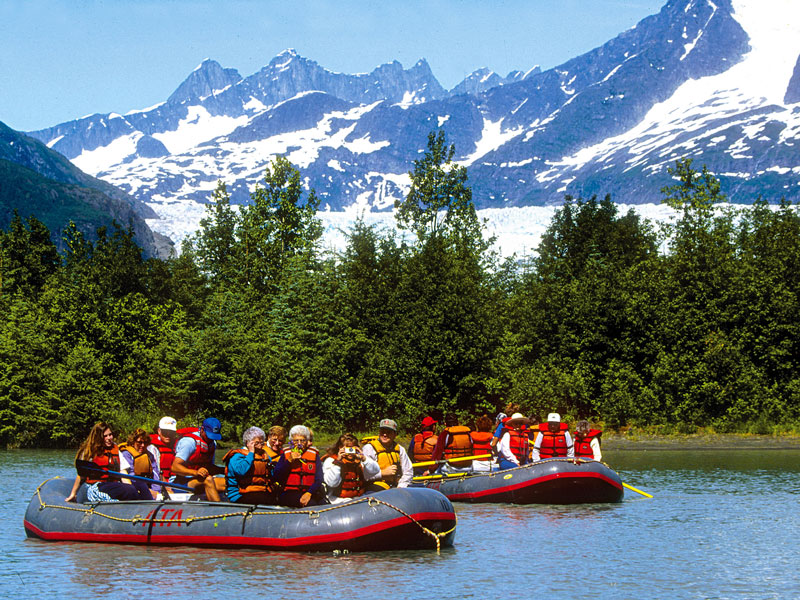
(481, 443)
(422, 444)
(553, 439)
(346, 470)
(194, 460)
(100, 449)
(587, 441)
(303, 481)
(162, 445)
(513, 449)
(454, 442)
(248, 471)
(136, 459)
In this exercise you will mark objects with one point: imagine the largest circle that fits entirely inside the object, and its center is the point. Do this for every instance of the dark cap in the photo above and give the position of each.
(212, 427)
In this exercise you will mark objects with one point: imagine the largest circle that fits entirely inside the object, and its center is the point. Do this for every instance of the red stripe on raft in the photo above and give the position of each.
(235, 540)
(530, 482)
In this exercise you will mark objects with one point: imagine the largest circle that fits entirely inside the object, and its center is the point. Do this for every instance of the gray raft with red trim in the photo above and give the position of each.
(395, 519)
(550, 481)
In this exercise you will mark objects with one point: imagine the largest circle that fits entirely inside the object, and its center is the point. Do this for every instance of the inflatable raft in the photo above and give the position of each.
(395, 519)
(551, 481)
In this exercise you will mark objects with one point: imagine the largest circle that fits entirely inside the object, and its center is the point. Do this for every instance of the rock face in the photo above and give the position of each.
(699, 80)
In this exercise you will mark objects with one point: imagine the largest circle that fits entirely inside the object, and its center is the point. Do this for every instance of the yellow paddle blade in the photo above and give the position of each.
(436, 462)
(630, 487)
(443, 475)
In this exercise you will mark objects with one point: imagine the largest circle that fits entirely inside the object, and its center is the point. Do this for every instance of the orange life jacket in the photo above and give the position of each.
(459, 443)
(142, 466)
(258, 478)
(553, 444)
(166, 455)
(353, 482)
(583, 446)
(424, 443)
(303, 472)
(481, 443)
(108, 461)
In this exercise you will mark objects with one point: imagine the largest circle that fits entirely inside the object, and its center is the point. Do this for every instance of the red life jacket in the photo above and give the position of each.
(166, 456)
(424, 443)
(258, 478)
(203, 454)
(583, 446)
(519, 445)
(481, 443)
(553, 444)
(108, 461)
(303, 472)
(459, 444)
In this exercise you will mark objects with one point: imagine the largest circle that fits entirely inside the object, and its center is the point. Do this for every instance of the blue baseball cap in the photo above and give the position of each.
(212, 427)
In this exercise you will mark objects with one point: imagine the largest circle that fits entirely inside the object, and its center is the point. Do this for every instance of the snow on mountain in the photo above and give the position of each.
(714, 80)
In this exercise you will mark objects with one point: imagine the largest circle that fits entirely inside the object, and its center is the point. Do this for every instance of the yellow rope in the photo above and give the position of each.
(312, 514)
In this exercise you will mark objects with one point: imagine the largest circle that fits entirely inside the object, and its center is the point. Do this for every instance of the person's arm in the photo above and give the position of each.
(74, 492)
(332, 473)
(126, 462)
(240, 464)
(595, 444)
(438, 450)
(536, 445)
(503, 449)
(407, 475)
(570, 445)
(155, 459)
(371, 468)
(318, 477)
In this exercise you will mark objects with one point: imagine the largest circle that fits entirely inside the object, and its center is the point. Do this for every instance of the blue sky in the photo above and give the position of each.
(63, 59)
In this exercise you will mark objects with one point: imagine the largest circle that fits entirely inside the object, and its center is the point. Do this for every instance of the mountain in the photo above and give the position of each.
(713, 80)
(35, 180)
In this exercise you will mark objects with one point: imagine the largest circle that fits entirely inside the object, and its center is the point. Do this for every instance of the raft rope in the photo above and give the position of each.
(312, 514)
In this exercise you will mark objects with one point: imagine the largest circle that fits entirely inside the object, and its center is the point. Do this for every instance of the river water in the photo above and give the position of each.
(722, 524)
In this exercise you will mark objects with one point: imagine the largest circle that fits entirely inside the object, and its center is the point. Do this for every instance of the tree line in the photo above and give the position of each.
(694, 324)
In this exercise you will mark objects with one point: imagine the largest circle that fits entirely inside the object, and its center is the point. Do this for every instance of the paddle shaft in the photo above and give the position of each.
(85, 465)
(436, 462)
(630, 487)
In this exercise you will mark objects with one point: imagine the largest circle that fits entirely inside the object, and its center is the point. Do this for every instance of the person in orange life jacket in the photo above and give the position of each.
(346, 470)
(422, 444)
(194, 460)
(162, 445)
(481, 443)
(553, 439)
(249, 474)
(513, 449)
(136, 459)
(454, 442)
(587, 441)
(302, 481)
(392, 458)
(99, 448)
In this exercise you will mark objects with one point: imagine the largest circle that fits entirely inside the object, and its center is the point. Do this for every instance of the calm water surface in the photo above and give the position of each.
(722, 524)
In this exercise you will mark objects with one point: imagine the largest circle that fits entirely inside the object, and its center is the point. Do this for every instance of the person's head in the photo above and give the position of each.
(387, 431)
(254, 434)
(138, 440)
(517, 420)
(500, 417)
(428, 423)
(299, 437)
(211, 429)
(276, 438)
(582, 429)
(554, 422)
(100, 438)
(167, 429)
(346, 440)
(483, 423)
(451, 420)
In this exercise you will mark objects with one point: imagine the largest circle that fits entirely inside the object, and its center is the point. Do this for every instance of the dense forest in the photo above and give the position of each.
(692, 324)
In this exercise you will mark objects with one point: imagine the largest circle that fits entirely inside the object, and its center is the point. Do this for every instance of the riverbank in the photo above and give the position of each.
(698, 441)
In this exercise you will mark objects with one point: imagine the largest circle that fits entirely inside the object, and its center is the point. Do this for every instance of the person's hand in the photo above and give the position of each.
(426, 472)
(251, 446)
(202, 473)
(389, 471)
(341, 454)
(305, 499)
(70, 498)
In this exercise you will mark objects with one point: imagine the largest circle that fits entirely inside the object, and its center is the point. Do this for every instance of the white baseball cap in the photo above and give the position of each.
(168, 423)
(554, 418)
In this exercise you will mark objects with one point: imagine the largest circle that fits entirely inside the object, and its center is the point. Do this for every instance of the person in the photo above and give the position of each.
(454, 442)
(422, 444)
(99, 448)
(276, 438)
(302, 478)
(346, 470)
(162, 445)
(499, 424)
(396, 470)
(481, 443)
(513, 449)
(587, 441)
(248, 470)
(553, 439)
(194, 460)
(136, 459)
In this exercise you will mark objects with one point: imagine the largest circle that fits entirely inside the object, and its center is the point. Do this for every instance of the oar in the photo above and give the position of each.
(630, 487)
(436, 462)
(84, 466)
(443, 475)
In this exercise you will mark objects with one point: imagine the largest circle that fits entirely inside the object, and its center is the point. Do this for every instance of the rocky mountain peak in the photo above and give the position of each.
(208, 78)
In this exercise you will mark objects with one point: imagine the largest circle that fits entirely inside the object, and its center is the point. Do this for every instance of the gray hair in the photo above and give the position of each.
(582, 427)
(253, 433)
(300, 430)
